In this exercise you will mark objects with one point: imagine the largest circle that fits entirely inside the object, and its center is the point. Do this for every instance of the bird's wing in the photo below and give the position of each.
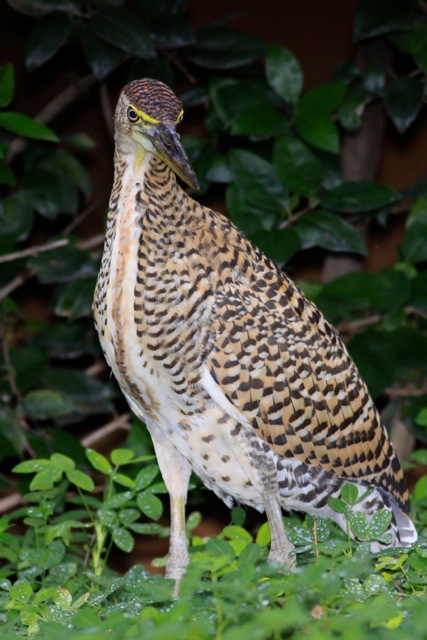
(277, 365)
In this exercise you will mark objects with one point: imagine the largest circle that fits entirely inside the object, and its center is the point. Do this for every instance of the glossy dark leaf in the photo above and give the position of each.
(375, 358)
(414, 242)
(11, 438)
(46, 38)
(410, 346)
(419, 45)
(50, 194)
(257, 195)
(160, 8)
(283, 73)
(28, 364)
(374, 76)
(297, 166)
(6, 174)
(347, 296)
(63, 265)
(101, 56)
(7, 84)
(76, 301)
(418, 296)
(45, 404)
(16, 216)
(314, 116)
(231, 98)
(171, 32)
(392, 291)
(65, 341)
(26, 127)
(403, 99)
(223, 48)
(377, 17)
(329, 231)
(278, 244)
(88, 394)
(263, 121)
(358, 197)
(123, 29)
(351, 109)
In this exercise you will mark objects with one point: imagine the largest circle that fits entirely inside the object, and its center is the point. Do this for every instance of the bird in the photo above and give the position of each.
(236, 374)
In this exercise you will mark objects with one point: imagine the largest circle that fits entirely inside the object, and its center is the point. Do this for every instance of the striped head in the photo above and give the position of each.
(148, 112)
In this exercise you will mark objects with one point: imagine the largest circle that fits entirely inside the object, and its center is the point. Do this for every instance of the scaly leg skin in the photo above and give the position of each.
(281, 549)
(176, 472)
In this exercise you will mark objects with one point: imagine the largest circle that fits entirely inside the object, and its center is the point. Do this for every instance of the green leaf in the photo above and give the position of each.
(234, 532)
(27, 127)
(359, 524)
(77, 299)
(254, 204)
(421, 419)
(278, 244)
(314, 116)
(230, 97)
(80, 480)
(171, 32)
(64, 463)
(219, 548)
(403, 99)
(123, 480)
(121, 456)
(358, 197)
(88, 394)
(118, 500)
(351, 110)
(102, 57)
(47, 36)
(7, 84)
(45, 404)
(21, 592)
(99, 462)
(44, 558)
(418, 45)
(62, 598)
(16, 216)
(283, 73)
(329, 231)
(379, 523)
(375, 358)
(32, 466)
(350, 493)
(123, 29)
(263, 537)
(45, 480)
(377, 17)
(414, 242)
(123, 539)
(264, 121)
(219, 47)
(149, 504)
(6, 174)
(146, 476)
(297, 166)
(64, 264)
(337, 505)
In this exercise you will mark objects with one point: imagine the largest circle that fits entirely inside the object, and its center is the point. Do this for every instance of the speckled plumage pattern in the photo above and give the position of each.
(236, 374)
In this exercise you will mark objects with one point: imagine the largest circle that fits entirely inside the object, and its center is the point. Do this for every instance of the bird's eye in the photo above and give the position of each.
(132, 115)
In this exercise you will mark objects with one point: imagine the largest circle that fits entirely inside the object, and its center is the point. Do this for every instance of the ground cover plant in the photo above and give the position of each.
(69, 507)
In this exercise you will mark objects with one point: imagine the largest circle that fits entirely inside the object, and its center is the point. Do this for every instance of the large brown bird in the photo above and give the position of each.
(236, 374)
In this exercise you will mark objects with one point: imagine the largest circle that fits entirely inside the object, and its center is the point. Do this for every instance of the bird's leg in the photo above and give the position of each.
(176, 472)
(266, 476)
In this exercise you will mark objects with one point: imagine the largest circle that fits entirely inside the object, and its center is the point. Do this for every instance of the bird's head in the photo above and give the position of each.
(148, 111)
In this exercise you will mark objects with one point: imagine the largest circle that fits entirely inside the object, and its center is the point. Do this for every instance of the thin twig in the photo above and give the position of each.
(406, 392)
(17, 282)
(33, 251)
(180, 66)
(81, 217)
(93, 242)
(121, 422)
(355, 325)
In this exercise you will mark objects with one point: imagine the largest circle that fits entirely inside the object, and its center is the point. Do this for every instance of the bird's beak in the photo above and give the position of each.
(168, 147)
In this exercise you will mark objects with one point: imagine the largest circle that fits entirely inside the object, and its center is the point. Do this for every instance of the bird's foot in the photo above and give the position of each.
(283, 555)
